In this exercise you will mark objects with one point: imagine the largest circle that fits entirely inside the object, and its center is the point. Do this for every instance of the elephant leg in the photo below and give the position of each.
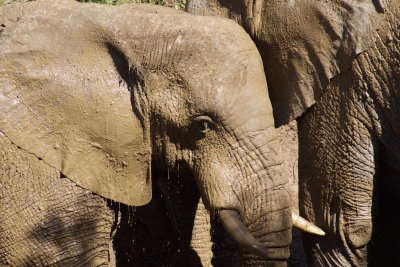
(46, 219)
(201, 241)
(336, 176)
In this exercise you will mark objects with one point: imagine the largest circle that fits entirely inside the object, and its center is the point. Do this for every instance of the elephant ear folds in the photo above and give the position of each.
(71, 107)
(330, 36)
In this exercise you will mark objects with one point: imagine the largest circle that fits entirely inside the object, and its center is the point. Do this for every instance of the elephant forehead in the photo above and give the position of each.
(236, 86)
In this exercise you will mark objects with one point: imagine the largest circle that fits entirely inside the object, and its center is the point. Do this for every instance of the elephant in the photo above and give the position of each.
(98, 100)
(334, 67)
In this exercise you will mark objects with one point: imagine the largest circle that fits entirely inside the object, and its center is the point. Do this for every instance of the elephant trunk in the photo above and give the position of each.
(267, 204)
(273, 236)
(270, 225)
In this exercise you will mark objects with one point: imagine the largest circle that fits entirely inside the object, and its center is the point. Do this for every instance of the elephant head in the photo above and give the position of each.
(107, 94)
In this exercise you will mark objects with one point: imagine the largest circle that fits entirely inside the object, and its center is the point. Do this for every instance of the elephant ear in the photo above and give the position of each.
(305, 44)
(68, 100)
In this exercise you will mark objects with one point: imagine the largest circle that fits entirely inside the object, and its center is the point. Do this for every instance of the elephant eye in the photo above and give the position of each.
(203, 123)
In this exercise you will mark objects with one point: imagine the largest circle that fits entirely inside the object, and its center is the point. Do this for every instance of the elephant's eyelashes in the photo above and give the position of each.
(203, 123)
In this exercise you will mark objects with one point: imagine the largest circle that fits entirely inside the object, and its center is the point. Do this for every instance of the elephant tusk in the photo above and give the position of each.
(306, 226)
(238, 232)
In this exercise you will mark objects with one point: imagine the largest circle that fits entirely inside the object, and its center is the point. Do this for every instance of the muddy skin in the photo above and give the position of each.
(46, 219)
(114, 100)
(333, 65)
(357, 182)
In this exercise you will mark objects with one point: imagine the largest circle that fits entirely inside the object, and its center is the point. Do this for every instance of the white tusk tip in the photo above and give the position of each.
(306, 226)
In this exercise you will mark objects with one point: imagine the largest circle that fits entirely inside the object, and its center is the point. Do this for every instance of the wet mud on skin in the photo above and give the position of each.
(46, 218)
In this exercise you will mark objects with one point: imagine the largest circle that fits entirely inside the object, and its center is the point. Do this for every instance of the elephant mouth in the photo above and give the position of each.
(242, 237)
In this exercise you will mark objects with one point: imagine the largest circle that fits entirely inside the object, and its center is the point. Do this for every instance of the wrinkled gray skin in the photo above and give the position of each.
(335, 66)
(101, 97)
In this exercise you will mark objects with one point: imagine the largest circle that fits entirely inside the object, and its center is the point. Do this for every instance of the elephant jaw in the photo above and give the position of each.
(245, 241)
(239, 234)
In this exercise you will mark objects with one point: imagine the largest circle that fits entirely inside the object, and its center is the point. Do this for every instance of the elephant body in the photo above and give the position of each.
(114, 100)
(334, 65)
